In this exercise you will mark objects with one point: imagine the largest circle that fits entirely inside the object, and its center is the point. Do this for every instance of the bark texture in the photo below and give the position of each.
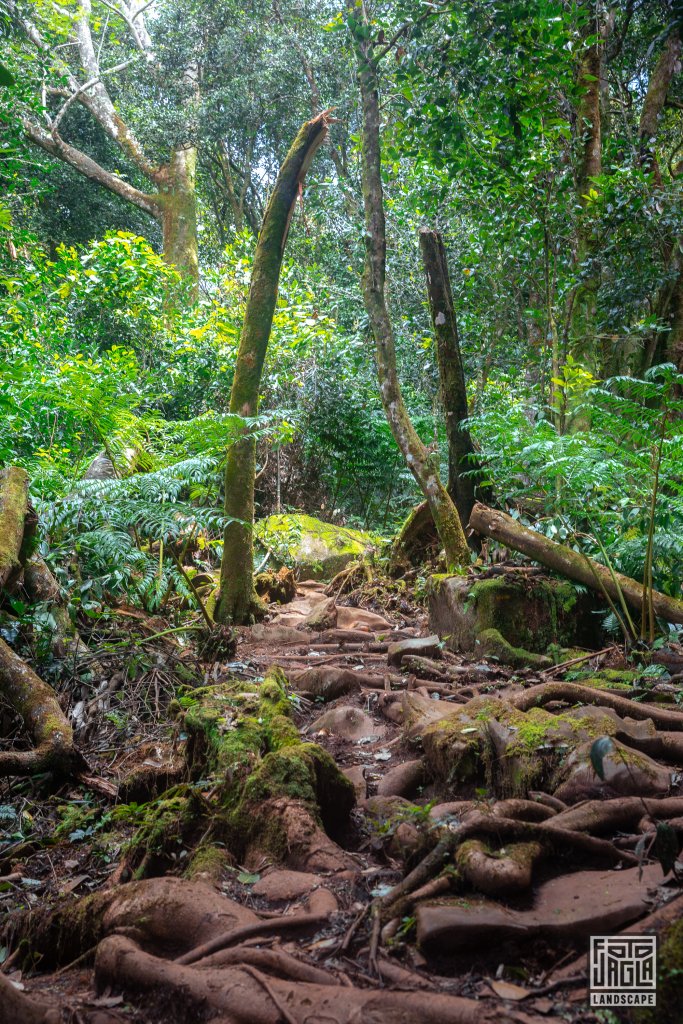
(44, 720)
(574, 566)
(422, 464)
(237, 601)
(462, 459)
(655, 98)
(13, 510)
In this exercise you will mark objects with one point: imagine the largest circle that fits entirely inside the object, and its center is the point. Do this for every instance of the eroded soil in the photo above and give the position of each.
(482, 850)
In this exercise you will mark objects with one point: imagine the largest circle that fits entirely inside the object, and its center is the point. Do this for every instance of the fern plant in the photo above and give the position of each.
(594, 487)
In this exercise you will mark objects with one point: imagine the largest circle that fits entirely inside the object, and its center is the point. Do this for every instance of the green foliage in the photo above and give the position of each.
(592, 487)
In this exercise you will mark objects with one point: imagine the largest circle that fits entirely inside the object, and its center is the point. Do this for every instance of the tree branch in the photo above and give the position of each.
(86, 166)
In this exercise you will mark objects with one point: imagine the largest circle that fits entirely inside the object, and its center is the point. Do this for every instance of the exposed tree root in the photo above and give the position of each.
(18, 1008)
(603, 816)
(500, 873)
(43, 718)
(574, 693)
(243, 999)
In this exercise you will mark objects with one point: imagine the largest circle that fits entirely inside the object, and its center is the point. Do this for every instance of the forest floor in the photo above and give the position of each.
(318, 931)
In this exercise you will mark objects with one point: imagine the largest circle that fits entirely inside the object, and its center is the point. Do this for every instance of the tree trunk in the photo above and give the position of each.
(569, 563)
(462, 460)
(237, 600)
(422, 464)
(13, 510)
(589, 131)
(653, 104)
(178, 213)
(37, 704)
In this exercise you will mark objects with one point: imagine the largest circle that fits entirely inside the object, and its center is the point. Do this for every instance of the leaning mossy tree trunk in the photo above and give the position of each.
(421, 463)
(622, 591)
(237, 601)
(462, 459)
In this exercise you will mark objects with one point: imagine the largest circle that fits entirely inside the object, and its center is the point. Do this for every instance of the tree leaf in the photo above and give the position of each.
(666, 846)
(599, 751)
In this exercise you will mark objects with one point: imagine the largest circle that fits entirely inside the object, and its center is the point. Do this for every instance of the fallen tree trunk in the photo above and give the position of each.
(44, 720)
(13, 511)
(569, 563)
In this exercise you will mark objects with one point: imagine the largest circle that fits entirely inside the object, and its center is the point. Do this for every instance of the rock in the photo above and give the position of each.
(327, 682)
(405, 841)
(359, 618)
(383, 808)
(322, 901)
(425, 646)
(356, 774)
(347, 723)
(627, 773)
(285, 885)
(315, 550)
(402, 780)
(275, 634)
(322, 616)
(529, 612)
(572, 907)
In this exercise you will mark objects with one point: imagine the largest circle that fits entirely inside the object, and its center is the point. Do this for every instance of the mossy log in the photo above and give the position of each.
(44, 720)
(13, 511)
(572, 564)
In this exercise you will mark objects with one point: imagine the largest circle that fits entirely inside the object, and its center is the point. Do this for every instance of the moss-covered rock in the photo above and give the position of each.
(489, 743)
(529, 612)
(493, 644)
(242, 733)
(316, 550)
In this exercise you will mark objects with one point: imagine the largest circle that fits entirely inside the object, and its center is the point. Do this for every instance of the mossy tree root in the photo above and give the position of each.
(36, 703)
(501, 830)
(498, 872)
(574, 693)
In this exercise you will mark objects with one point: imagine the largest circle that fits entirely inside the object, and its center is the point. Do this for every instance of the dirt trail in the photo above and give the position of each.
(479, 857)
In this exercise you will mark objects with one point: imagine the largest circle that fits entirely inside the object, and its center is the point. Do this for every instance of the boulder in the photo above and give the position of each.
(315, 550)
(425, 646)
(529, 611)
(568, 908)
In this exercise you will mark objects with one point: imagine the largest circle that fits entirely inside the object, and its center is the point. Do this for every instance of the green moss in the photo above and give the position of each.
(209, 860)
(494, 644)
(669, 980)
(232, 725)
(531, 613)
(318, 550)
(163, 828)
(606, 679)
